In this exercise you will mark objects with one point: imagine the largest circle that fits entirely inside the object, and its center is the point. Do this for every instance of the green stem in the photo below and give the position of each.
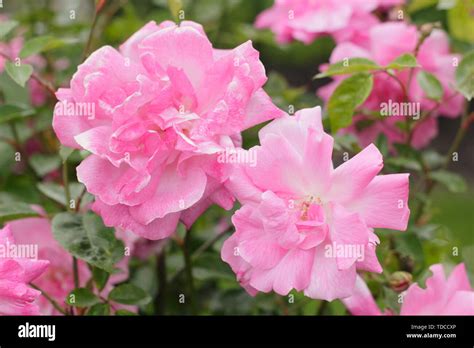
(88, 45)
(50, 300)
(67, 192)
(461, 132)
(201, 250)
(75, 270)
(162, 280)
(322, 308)
(189, 270)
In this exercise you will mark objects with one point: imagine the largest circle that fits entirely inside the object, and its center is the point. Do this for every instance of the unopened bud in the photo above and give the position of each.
(400, 281)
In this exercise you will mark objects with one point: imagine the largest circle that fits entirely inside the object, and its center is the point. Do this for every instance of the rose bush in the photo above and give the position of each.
(286, 157)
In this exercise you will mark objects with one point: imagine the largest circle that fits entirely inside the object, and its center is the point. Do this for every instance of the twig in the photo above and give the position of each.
(50, 300)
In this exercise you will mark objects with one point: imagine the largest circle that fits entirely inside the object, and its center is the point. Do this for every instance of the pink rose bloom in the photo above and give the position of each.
(442, 296)
(16, 296)
(164, 106)
(297, 212)
(58, 280)
(306, 20)
(387, 42)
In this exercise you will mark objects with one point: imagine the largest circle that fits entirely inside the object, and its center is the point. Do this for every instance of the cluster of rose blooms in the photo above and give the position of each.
(167, 104)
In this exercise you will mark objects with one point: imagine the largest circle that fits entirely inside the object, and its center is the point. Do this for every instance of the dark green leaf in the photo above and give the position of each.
(124, 312)
(100, 277)
(99, 309)
(20, 74)
(129, 294)
(10, 113)
(382, 144)
(87, 238)
(82, 297)
(350, 93)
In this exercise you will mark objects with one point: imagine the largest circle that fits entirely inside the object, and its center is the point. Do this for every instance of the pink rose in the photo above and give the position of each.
(387, 42)
(306, 20)
(161, 109)
(442, 296)
(58, 280)
(298, 212)
(17, 297)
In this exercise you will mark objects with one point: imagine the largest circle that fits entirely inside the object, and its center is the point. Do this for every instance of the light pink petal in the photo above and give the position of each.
(351, 178)
(361, 301)
(119, 216)
(348, 229)
(384, 202)
(174, 193)
(260, 108)
(182, 47)
(292, 272)
(327, 281)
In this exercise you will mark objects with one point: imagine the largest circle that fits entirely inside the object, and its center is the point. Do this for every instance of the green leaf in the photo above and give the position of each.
(430, 85)
(99, 309)
(65, 152)
(454, 182)
(350, 66)
(382, 144)
(404, 162)
(402, 62)
(20, 74)
(465, 76)
(44, 164)
(100, 277)
(350, 93)
(124, 312)
(416, 5)
(14, 211)
(6, 27)
(42, 44)
(10, 113)
(56, 192)
(82, 297)
(129, 294)
(461, 22)
(408, 244)
(88, 239)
